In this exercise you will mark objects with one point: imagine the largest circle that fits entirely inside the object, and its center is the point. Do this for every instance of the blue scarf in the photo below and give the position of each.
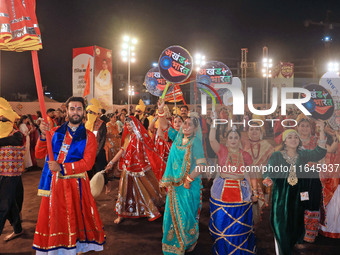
(75, 153)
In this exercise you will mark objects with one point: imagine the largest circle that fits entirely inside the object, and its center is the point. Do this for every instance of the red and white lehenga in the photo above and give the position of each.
(68, 221)
(139, 194)
(163, 147)
(330, 213)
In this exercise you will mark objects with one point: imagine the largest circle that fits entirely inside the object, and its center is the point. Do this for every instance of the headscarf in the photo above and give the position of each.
(91, 118)
(141, 152)
(176, 111)
(284, 136)
(141, 106)
(95, 106)
(300, 117)
(299, 121)
(7, 112)
(287, 132)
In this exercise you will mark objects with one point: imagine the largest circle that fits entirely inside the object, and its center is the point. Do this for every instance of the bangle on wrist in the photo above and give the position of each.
(190, 180)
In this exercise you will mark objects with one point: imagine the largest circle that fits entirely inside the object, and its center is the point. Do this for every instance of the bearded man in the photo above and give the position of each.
(68, 220)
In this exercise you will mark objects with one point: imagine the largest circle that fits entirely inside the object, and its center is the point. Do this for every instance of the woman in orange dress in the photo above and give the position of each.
(112, 143)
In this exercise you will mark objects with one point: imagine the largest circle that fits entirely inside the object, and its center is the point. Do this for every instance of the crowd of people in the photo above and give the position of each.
(161, 156)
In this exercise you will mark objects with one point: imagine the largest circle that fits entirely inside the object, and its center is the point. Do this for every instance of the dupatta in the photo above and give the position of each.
(180, 157)
(141, 152)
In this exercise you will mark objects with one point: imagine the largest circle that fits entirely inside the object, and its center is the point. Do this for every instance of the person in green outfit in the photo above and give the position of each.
(287, 172)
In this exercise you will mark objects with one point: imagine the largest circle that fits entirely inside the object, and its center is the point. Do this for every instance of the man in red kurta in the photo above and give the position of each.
(68, 218)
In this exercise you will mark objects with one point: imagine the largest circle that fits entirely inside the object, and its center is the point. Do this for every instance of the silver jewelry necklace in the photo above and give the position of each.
(74, 129)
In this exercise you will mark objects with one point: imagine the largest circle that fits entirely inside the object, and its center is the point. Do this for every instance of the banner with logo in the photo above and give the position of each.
(81, 58)
(175, 64)
(103, 76)
(155, 83)
(100, 73)
(215, 74)
(321, 104)
(283, 76)
(331, 82)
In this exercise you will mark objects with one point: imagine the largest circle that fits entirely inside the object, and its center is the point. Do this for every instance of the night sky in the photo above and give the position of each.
(219, 29)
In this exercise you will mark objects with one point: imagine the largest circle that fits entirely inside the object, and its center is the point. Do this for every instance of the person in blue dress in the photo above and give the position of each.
(183, 182)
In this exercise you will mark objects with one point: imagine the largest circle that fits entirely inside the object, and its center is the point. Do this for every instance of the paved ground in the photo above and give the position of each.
(140, 236)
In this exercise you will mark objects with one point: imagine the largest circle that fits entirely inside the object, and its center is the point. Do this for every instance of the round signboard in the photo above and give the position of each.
(155, 83)
(215, 74)
(228, 96)
(175, 64)
(321, 104)
(331, 81)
